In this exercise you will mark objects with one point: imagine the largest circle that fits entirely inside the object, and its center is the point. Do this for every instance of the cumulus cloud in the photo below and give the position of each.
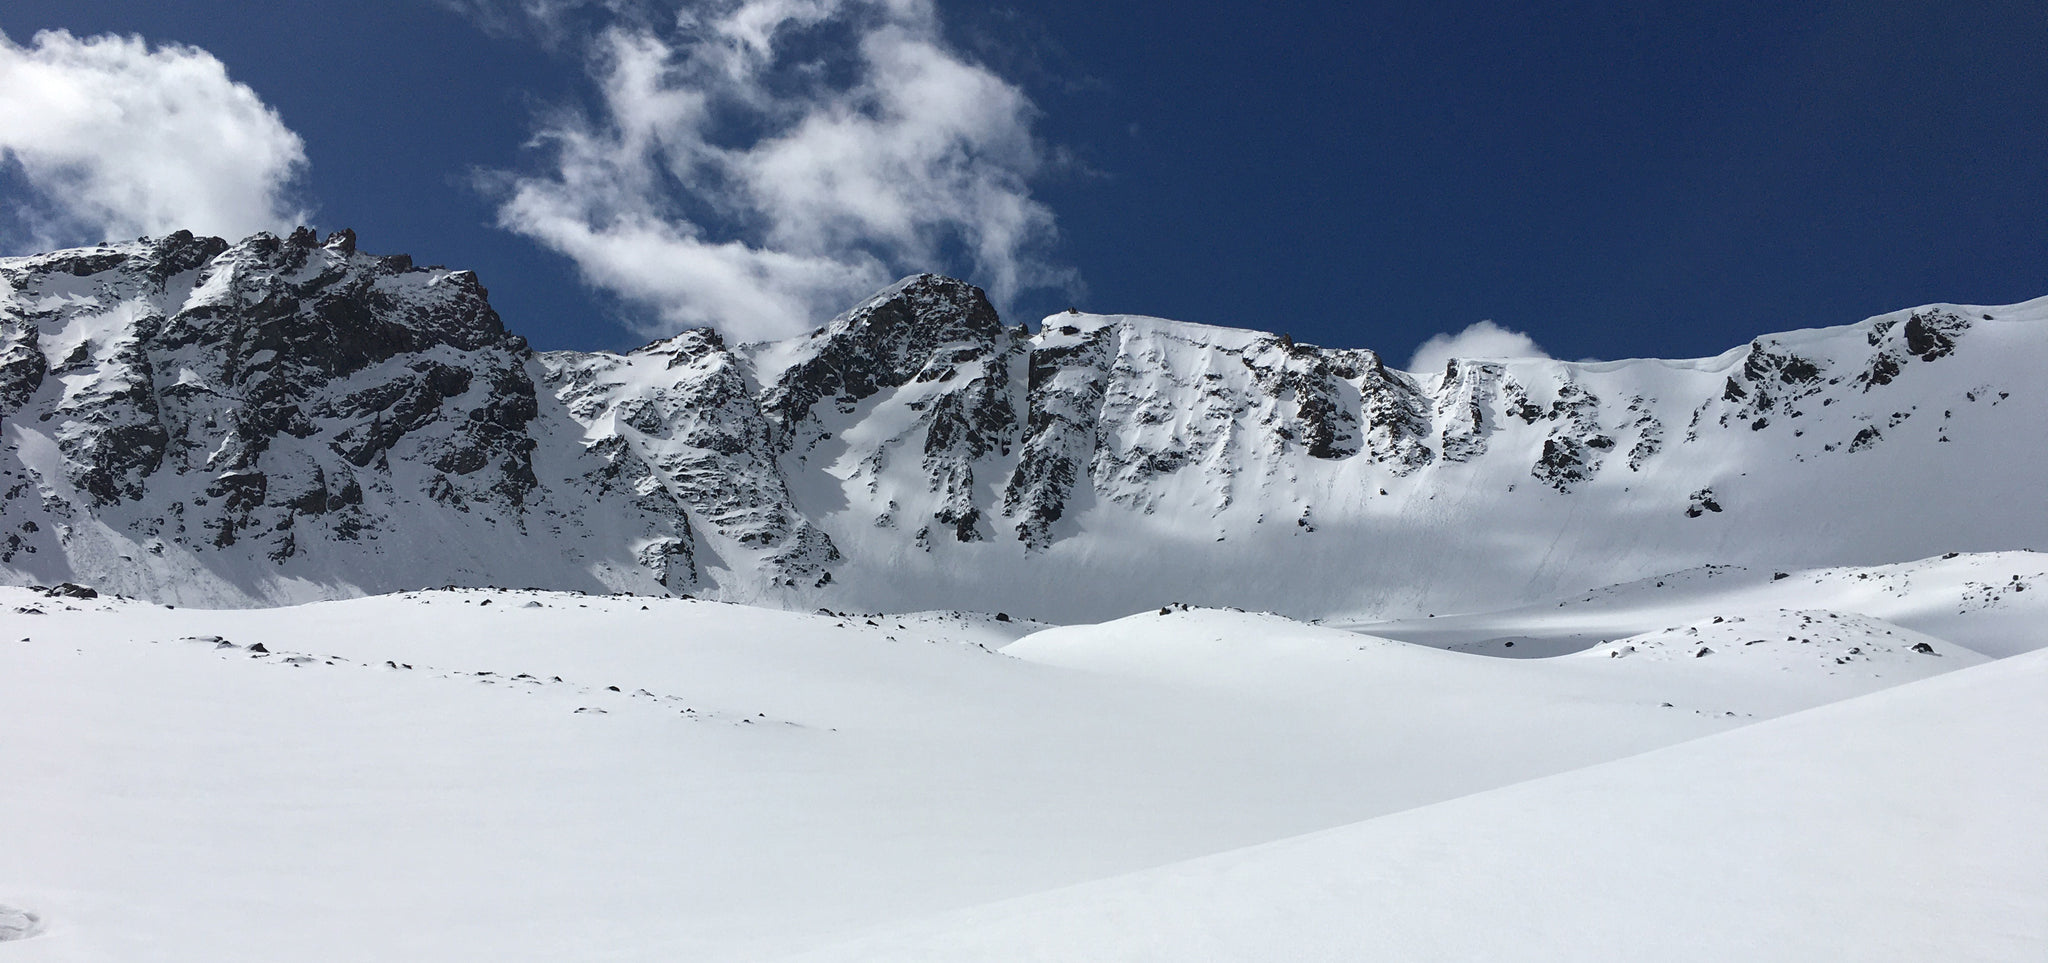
(756, 165)
(1482, 339)
(114, 138)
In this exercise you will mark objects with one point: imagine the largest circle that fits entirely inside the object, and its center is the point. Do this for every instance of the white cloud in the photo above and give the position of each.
(116, 139)
(759, 164)
(1482, 339)
(549, 21)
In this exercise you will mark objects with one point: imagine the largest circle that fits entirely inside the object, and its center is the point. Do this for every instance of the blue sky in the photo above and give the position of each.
(1612, 179)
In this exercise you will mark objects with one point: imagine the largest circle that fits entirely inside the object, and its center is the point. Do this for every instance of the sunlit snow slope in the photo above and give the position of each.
(1903, 825)
(512, 775)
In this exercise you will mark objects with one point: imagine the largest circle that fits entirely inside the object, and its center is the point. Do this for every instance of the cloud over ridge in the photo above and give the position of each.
(755, 165)
(115, 138)
(1480, 339)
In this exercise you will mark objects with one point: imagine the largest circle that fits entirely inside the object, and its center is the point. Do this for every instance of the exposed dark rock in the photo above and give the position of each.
(1065, 391)
(1464, 403)
(884, 343)
(1925, 335)
(1572, 452)
(22, 365)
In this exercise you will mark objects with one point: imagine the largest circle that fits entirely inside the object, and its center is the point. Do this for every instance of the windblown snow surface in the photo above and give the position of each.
(514, 775)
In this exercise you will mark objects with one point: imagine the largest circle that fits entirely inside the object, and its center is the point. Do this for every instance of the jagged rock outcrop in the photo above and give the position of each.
(1466, 399)
(1925, 335)
(920, 328)
(676, 423)
(1576, 447)
(929, 353)
(286, 418)
(1069, 371)
(255, 392)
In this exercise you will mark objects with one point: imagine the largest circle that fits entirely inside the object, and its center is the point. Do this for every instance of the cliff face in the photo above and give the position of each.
(288, 418)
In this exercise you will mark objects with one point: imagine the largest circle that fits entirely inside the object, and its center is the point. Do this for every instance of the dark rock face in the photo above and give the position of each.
(884, 343)
(1320, 417)
(1649, 433)
(1398, 422)
(1773, 380)
(22, 364)
(935, 339)
(693, 449)
(965, 425)
(1465, 400)
(1575, 449)
(1337, 404)
(272, 374)
(1925, 335)
(1068, 375)
(1932, 335)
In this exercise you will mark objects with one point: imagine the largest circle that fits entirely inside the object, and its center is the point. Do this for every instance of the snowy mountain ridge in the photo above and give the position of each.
(287, 419)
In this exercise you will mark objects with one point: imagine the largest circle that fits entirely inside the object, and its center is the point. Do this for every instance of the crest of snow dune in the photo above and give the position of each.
(1481, 339)
(115, 138)
(756, 165)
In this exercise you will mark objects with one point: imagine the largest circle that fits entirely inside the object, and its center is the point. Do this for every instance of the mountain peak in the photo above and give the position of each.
(283, 418)
(884, 342)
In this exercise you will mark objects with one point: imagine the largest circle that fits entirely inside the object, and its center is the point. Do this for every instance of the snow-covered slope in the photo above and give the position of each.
(1995, 603)
(502, 774)
(288, 419)
(1903, 825)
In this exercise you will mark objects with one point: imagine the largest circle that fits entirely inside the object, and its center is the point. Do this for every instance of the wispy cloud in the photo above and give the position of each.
(1481, 339)
(754, 165)
(556, 22)
(115, 138)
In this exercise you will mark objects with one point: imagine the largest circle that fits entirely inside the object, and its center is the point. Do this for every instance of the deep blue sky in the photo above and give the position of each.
(1615, 179)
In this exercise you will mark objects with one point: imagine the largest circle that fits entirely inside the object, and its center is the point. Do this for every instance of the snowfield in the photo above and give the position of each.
(1902, 825)
(495, 774)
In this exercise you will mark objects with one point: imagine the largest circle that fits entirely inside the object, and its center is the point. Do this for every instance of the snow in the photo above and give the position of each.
(1903, 825)
(1993, 603)
(451, 774)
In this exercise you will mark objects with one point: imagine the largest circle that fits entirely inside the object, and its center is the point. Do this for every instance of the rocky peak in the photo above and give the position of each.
(271, 378)
(918, 327)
